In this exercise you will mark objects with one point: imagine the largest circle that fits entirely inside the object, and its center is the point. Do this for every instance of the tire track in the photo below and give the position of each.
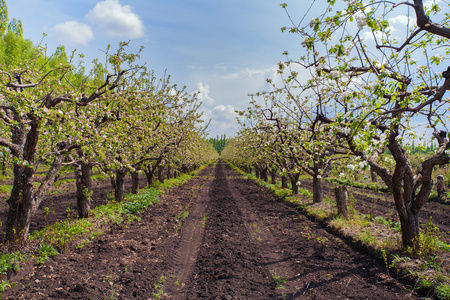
(185, 257)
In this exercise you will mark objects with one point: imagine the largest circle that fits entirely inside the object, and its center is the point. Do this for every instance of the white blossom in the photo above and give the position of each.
(421, 69)
(335, 73)
(351, 167)
(361, 21)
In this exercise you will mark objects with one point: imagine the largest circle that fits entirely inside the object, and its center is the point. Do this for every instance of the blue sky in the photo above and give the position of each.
(224, 49)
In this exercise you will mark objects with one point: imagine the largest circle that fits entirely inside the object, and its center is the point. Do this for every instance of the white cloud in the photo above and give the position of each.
(116, 20)
(249, 73)
(73, 32)
(402, 20)
(203, 96)
(223, 120)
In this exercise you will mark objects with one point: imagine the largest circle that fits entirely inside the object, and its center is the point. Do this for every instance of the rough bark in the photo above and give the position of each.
(257, 172)
(294, 185)
(263, 174)
(284, 182)
(317, 189)
(134, 182)
(169, 172)
(374, 176)
(4, 166)
(273, 175)
(161, 174)
(24, 200)
(118, 184)
(340, 193)
(83, 176)
(150, 175)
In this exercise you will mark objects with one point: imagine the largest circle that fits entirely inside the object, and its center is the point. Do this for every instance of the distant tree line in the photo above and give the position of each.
(218, 142)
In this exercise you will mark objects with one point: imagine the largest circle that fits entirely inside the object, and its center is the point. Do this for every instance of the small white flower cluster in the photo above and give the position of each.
(362, 164)
(422, 69)
(335, 74)
(361, 21)
(352, 2)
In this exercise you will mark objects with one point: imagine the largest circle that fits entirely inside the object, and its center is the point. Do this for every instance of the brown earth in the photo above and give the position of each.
(238, 242)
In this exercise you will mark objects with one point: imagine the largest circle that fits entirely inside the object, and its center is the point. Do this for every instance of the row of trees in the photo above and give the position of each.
(116, 117)
(367, 88)
(218, 142)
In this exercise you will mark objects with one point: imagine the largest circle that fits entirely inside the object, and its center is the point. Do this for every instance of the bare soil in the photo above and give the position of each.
(238, 242)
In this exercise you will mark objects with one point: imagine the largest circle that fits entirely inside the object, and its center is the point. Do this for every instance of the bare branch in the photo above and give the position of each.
(398, 49)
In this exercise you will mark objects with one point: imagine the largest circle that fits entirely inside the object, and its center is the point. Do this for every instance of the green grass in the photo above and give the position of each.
(4, 188)
(12, 261)
(158, 287)
(45, 252)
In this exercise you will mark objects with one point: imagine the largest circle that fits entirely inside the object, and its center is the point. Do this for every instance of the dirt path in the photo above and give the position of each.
(238, 242)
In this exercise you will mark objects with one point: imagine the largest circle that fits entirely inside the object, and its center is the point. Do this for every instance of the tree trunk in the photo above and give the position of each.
(410, 230)
(374, 176)
(264, 175)
(118, 184)
(161, 174)
(169, 172)
(24, 200)
(21, 206)
(273, 175)
(4, 166)
(284, 182)
(134, 182)
(150, 175)
(341, 200)
(317, 189)
(83, 176)
(294, 185)
(257, 172)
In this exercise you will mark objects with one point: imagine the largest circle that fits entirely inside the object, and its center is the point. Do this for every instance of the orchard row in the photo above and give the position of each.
(360, 95)
(117, 117)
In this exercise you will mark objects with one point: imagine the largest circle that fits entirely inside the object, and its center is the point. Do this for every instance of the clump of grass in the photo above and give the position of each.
(159, 287)
(137, 203)
(45, 252)
(279, 281)
(61, 233)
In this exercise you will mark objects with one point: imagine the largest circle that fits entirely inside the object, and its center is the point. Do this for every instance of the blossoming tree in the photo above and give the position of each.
(373, 92)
